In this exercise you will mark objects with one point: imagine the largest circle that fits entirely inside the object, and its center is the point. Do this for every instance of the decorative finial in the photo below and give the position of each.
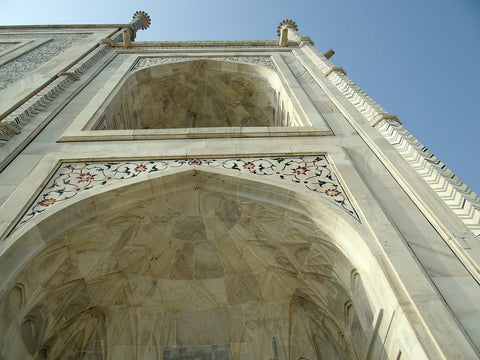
(146, 21)
(286, 24)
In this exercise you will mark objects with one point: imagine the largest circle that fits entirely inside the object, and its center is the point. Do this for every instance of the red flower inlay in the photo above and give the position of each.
(300, 170)
(249, 165)
(332, 192)
(194, 162)
(140, 168)
(85, 177)
(46, 202)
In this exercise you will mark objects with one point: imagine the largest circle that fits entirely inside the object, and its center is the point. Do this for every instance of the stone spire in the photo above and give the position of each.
(282, 30)
(141, 20)
(286, 24)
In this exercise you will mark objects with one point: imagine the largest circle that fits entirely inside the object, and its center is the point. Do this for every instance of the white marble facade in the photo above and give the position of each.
(220, 200)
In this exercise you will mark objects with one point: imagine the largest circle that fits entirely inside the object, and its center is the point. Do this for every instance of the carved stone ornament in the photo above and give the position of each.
(286, 24)
(146, 20)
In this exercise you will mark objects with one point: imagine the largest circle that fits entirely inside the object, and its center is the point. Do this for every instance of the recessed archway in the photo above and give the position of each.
(198, 93)
(189, 264)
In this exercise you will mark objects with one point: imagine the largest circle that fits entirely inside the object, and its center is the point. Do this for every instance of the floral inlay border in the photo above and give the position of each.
(311, 172)
(144, 62)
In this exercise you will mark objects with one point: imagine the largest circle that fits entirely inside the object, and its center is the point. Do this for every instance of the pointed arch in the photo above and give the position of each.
(193, 250)
(194, 93)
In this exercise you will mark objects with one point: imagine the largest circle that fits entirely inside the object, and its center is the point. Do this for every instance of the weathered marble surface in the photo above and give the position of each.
(86, 281)
(5, 45)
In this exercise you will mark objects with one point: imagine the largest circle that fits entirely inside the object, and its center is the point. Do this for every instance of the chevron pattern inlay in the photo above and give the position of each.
(359, 98)
(453, 191)
(37, 103)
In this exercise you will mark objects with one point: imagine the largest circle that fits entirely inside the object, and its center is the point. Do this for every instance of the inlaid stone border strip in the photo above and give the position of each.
(368, 107)
(313, 173)
(145, 62)
(37, 103)
(454, 192)
(49, 46)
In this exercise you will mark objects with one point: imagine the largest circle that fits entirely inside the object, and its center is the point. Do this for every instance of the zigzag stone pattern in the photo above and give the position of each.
(364, 103)
(453, 191)
(21, 66)
(369, 108)
(25, 113)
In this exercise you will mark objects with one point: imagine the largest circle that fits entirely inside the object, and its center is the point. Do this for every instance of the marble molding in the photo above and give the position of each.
(37, 103)
(6, 45)
(451, 189)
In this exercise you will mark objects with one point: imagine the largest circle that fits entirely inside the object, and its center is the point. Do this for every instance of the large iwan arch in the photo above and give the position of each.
(197, 262)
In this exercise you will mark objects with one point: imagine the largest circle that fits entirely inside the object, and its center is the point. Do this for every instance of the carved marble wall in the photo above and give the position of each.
(51, 46)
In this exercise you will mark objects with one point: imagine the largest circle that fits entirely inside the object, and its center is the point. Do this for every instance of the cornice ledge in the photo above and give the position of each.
(462, 200)
(305, 40)
(368, 107)
(197, 44)
(380, 117)
(454, 192)
(14, 121)
(335, 68)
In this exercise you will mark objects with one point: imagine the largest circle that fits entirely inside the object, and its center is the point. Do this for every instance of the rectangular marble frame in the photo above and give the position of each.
(79, 129)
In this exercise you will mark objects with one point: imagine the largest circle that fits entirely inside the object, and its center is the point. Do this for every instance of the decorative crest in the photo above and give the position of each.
(286, 24)
(146, 20)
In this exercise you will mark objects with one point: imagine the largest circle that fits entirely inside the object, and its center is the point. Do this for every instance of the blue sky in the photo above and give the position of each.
(417, 59)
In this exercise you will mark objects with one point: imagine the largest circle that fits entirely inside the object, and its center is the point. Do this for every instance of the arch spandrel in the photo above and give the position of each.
(190, 258)
(307, 174)
(146, 62)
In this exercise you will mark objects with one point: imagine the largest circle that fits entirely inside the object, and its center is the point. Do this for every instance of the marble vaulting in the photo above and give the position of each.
(220, 200)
